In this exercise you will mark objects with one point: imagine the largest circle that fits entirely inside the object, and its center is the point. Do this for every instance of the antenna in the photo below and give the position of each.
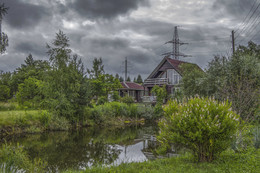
(176, 45)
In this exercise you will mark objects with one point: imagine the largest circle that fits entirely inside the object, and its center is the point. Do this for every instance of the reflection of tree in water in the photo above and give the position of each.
(79, 149)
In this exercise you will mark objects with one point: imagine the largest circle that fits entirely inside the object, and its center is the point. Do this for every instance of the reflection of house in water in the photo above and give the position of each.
(139, 150)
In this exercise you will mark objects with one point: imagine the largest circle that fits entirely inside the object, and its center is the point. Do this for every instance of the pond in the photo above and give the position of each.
(76, 150)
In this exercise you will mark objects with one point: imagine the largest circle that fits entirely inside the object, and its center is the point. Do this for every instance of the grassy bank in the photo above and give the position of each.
(14, 120)
(229, 161)
(30, 121)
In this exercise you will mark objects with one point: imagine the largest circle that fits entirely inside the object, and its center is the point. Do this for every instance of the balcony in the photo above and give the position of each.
(156, 81)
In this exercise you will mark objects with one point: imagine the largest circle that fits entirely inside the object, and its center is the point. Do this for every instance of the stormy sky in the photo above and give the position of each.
(136, 29)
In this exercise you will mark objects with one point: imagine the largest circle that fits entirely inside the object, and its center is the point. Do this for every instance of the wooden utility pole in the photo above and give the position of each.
(125, 69)
(233, 41)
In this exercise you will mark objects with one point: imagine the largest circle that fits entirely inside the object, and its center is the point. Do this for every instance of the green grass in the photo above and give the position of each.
(11, 118)
(227, 162)
(30, 121)
(7, 106)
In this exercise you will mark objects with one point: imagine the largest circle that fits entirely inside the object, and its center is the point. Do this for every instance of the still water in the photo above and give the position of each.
(76, 150)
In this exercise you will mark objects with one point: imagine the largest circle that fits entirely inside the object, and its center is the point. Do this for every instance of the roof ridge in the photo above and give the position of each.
(126, 84)
(179, 60)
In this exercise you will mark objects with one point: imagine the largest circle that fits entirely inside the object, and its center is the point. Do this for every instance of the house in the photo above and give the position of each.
(168, 73)
(132, 89)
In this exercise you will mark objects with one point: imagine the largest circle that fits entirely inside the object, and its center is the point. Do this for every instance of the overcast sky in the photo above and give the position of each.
(137, 29)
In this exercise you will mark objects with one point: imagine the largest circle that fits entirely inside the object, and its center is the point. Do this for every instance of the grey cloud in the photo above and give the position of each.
(105, 9)
(235, 8)
(30, 47)
(24, 15)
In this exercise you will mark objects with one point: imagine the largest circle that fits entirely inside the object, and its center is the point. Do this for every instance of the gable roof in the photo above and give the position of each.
(175, 64)
(131, 86)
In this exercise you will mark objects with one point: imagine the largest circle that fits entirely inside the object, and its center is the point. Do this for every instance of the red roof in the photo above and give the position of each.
(175, 63)
(132, 86)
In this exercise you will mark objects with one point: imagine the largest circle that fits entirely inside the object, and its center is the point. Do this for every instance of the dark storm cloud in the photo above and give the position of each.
(24, 15)
(106, 9)
(31, 48)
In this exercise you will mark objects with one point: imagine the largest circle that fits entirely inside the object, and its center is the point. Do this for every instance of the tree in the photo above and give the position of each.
(67, 89)
(121, 79)
(97, 68)
(134, 80)
(139, 79)
(117, 76)
(128, 79)
(5, 90)
(29, 92)
(37, 69)
(192, 80)
(236, 78)
(3, 36)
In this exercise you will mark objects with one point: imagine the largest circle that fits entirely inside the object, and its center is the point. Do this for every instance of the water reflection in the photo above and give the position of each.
(80, 149)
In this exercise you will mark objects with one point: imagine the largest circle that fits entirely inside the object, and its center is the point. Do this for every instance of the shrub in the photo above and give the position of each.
(127, 100)
(45, 118)
(102, 100)
(58, 123)
(202, 125)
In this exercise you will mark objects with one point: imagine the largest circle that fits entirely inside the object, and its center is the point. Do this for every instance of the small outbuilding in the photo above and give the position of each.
(132, 89)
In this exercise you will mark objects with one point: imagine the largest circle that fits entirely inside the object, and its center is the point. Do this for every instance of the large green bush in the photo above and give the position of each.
(203, 125)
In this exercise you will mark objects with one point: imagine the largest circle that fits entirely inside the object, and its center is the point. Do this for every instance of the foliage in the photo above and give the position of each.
(161, 95)
(121, 79)
(247, 137)
(128, 79)
(102, 114)
(97, 68)
(127, 100)
(115, 96)
(37, 69)
(30, 91)
(101, 100)
(3, 36)
(15, 159)
(139, 79)
(192, 80)
(160, 92)
(102, 84)
(66, 90)
(236, 78)
(203, 125)
(5, 91)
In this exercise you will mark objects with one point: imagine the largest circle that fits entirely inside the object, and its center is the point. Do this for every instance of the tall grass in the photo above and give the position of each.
(31, 121)
(102, 113)
(7, 106)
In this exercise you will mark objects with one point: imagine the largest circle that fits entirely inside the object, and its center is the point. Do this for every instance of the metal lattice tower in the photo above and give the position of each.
(176, 43)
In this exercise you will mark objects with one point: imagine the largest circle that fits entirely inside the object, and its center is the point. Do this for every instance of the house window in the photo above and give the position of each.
(173, 77)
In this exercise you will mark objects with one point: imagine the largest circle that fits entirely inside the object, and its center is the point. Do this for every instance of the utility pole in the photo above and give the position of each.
(233, 41)
(125, 69)
(176, 45)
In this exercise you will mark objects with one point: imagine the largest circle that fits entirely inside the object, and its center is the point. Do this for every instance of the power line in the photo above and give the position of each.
(242, 23)
(246, 25)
